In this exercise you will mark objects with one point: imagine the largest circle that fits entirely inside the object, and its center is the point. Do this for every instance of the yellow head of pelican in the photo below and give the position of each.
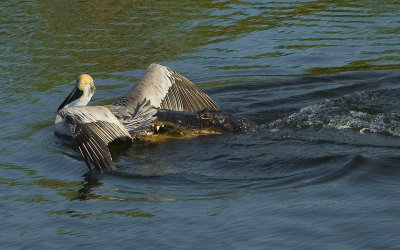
(81, 94)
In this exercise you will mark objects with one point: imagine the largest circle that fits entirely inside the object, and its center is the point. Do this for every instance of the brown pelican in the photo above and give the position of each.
(161, 98)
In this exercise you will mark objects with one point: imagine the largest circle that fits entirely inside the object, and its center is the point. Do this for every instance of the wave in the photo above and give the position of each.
(376, 112)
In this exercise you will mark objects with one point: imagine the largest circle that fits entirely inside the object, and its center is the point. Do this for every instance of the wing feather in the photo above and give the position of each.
(93, 128)
(142, 118)
(167, 89)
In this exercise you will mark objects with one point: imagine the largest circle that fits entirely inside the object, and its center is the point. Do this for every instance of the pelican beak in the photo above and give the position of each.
(75, 94)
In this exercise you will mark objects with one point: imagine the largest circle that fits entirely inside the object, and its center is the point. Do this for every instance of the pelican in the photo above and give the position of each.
(161, 98)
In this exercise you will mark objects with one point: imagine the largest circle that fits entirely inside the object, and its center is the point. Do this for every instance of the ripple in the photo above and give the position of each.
(323, 160)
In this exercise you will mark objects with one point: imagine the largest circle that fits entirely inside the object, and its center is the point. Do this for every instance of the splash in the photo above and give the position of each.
(375, 112)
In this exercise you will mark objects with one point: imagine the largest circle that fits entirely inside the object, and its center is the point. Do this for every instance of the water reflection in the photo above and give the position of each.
(90, 182)
(96, 215)
(56, 42)
(87, 189)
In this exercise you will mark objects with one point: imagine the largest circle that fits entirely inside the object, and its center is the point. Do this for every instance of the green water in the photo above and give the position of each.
(320, 79)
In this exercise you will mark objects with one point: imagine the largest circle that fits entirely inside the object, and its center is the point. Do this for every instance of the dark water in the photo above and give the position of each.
(319, 171)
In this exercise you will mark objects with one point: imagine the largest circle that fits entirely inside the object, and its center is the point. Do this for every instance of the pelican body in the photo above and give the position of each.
(161, 99)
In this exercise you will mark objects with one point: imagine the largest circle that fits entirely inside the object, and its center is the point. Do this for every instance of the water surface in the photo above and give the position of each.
(320, 79)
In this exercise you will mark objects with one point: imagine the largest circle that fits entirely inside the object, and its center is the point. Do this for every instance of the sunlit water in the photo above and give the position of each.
(319, 170)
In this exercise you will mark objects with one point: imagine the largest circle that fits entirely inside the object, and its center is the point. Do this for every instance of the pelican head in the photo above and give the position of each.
(81, 94)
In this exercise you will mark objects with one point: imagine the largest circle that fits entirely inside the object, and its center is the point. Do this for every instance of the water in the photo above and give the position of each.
(320, 79)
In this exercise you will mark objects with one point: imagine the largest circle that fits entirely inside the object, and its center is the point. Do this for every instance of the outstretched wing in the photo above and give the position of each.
(142, 118)
(167, 89)
(93, 128)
